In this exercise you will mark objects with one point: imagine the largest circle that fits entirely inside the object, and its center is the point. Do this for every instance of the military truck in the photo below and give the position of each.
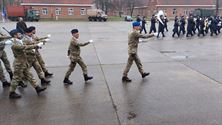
(96, 15)
(14, 12)
(204, 12)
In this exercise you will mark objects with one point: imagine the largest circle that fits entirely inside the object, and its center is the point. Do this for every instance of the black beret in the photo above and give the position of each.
(74, 31)
(28, 30)
(32, 28)
(13, 32)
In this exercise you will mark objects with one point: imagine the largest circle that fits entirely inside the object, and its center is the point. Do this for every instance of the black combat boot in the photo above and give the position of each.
(47, 74)
(14, 95)
(67, 81)
(5, 84)
(11, 75)
(86, 77)
(22, 84)
(126, 79)
(40, 89)
(145, 74)
(45, 81)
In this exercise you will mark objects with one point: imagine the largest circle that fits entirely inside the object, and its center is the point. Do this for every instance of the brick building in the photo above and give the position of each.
(66, 9)
(173, 7)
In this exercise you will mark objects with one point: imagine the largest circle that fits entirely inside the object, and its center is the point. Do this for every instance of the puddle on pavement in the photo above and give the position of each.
(177, 55)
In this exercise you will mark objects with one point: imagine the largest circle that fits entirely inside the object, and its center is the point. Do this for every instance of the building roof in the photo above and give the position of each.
(59, 1)
(186, 2)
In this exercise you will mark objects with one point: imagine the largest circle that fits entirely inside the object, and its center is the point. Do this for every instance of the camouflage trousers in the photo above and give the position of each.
(21, 72)
(133, 57)
(73, 65)
(41, 61)
(33, 62)
(7, 65)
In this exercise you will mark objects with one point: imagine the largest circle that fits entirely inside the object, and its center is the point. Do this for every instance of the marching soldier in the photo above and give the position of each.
(213, 26)
(165, 21)
(201, 27)
(206, 24)
(38, 54)
(153, 24)
(74, 55)
(31, 56)
(21, 69)
(143, 25)
(189, 26)
(161, 27)
(6, 62)
(182, 25)
(193, 25)
(175, 29)
(132, 51)
(219, 23)
(21, 26)
(198, 24)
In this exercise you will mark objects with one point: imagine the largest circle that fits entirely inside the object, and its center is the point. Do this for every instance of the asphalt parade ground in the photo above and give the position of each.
(184, 88)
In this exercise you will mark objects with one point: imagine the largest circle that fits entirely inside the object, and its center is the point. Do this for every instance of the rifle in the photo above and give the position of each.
(6, 30)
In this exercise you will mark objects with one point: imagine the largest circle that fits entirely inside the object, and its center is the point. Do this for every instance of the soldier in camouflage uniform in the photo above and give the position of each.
(20, 64)
(31, 56)
(38, 54)
(5, 60)
(132, 51)
(74, 54)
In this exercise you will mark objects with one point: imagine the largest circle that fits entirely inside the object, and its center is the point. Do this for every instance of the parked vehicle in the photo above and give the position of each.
(204, 12)
(14, 12)
(96, 15)
(128, 18)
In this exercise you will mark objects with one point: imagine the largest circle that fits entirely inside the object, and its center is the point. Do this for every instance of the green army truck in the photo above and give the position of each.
(14, 12)
(204, 12)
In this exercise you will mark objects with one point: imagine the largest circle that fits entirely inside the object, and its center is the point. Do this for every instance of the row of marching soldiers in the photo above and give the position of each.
(200, 24)
(25, 48)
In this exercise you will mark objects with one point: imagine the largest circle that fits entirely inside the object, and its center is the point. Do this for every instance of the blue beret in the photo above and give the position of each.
(13, 32)
(136, 23)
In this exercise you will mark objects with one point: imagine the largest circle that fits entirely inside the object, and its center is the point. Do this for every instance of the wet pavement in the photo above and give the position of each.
(184, 88)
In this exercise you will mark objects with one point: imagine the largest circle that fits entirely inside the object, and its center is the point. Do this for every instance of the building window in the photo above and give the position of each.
(45, 11)
(70, 11)
(58, 11)
(186, 12)
(83, 11)
(174, 11)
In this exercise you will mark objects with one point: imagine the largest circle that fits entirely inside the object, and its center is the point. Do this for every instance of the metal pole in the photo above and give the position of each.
(217, 7)
(3, 9)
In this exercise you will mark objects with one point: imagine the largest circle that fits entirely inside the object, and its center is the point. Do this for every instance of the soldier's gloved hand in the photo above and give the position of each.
(40, 45)
(8, 42)
(47, 39)
(90, 41)
(49, 35)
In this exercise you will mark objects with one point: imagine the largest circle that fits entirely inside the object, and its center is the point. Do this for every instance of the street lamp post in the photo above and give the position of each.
(217, 7)
(3, 10)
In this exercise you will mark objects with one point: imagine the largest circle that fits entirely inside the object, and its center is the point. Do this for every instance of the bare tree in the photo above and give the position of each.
(119, 5)
(130, 4)
(105, 5)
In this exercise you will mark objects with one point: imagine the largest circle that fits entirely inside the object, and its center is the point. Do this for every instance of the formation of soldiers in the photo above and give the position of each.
(25, 46)
(26, 55)
(188, 26)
